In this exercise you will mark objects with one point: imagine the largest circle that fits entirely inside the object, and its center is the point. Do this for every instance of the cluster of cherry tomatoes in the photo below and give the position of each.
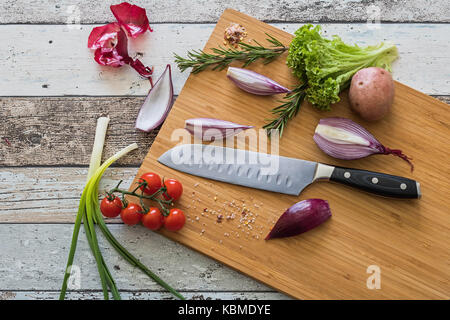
(152, 218)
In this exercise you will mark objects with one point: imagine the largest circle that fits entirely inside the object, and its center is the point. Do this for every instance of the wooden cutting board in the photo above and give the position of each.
(409, 241)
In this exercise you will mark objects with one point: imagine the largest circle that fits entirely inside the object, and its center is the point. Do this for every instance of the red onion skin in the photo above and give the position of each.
(344, 151)
(301, 217)
(111, 43)
(132, 18)
(227, 128)
(352, 152)
(272, 86)
(168, 106)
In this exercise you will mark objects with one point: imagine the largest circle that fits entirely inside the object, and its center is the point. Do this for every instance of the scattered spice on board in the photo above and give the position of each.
(234, 34)
(244, 213)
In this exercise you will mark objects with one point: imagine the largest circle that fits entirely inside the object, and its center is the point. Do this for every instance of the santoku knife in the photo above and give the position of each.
(279, 174)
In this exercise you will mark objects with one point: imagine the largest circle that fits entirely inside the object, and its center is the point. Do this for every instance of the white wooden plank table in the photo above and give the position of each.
(52, 92)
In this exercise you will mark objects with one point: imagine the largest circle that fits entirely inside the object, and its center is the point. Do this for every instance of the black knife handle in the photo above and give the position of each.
(379, 183)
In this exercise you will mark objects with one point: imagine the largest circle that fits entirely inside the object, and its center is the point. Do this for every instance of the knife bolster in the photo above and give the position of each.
(323, 172)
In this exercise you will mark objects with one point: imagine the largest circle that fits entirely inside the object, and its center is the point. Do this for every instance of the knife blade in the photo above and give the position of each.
(277, 173)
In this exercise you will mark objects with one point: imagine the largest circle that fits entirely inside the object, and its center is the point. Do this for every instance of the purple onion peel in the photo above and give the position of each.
(301, 217)
(344, 139)
(157, 104)
(209, 129)
(254, 82)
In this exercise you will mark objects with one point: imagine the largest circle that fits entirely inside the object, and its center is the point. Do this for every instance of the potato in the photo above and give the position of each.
(371, 93)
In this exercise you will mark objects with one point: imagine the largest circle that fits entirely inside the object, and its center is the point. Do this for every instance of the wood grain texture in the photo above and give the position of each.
(50, 194)
(52, 70)
(65, 128)
(409, 240)
(37, 56)
(36, 254)
(97, 11)
(61, 131)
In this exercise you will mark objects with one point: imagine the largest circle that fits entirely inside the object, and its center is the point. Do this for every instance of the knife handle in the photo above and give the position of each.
(375, 182)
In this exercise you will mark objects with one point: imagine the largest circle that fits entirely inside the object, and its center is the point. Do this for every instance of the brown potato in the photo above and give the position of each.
(371, 93)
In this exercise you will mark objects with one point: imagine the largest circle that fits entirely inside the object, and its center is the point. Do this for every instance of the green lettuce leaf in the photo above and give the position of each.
(328, 65)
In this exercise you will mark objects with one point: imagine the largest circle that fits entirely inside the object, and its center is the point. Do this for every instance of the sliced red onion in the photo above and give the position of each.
(157, 104)
(209, 129)
(301, 217)
(254, 83)
(344, 139)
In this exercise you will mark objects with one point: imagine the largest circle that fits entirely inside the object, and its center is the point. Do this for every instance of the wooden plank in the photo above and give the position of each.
(50, 195)
(63, 65)
(64, 128)
(50, 131)
(20, 11)
(408, 240)
(141, 295)
(35, 258)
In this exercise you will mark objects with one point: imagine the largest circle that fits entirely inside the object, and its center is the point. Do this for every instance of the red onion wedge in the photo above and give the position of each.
(344, 139)
(209, 129)
(254, 83)
(157, 104)
(301, 217)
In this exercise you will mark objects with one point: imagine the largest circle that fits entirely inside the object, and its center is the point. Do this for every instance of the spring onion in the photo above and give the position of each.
(89, 214)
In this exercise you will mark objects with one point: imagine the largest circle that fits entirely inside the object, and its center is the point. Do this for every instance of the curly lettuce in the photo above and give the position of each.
(327, 65)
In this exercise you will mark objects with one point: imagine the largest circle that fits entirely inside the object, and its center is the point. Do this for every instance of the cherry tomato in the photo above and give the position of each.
(153, 219)
(175, 220)
(153, 182)
(132, 214)
(111, 208)
(174, 189)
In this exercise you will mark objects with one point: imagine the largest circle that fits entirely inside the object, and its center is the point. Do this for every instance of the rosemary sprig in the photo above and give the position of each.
(287, 110)
(199, 60)
(220, 58)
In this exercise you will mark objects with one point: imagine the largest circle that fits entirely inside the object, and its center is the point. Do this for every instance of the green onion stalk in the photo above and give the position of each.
(89, 213)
